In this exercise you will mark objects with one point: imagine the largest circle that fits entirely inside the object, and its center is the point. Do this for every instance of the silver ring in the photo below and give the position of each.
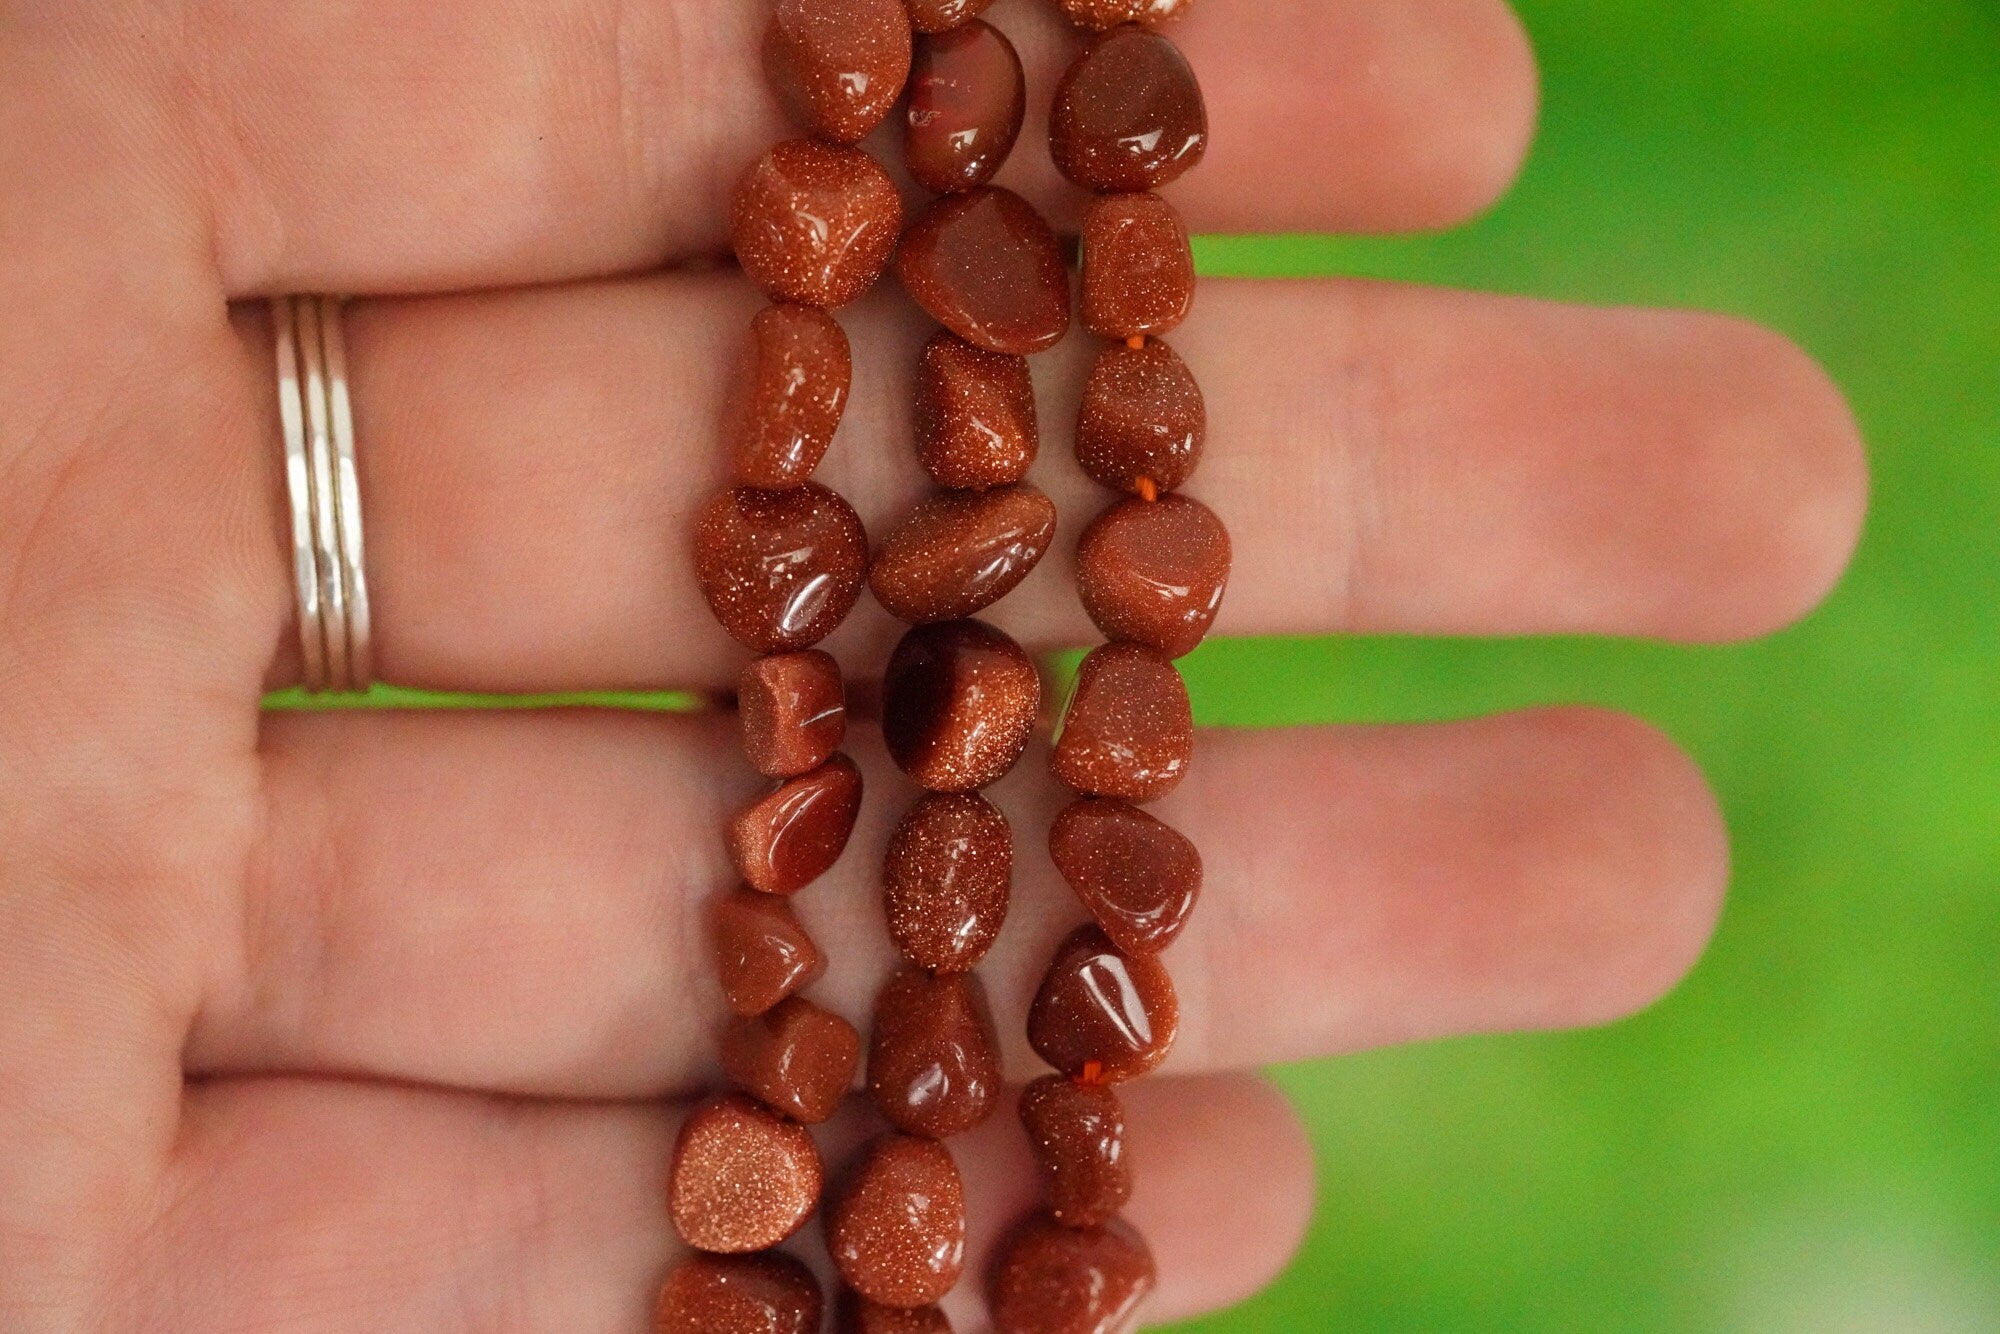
(323, 485)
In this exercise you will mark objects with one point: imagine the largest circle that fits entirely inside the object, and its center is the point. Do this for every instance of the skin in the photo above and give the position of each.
(378, 1022)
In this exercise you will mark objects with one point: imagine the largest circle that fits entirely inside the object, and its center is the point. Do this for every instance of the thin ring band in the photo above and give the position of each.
(347, 498)
(326, 516)
(298, 490)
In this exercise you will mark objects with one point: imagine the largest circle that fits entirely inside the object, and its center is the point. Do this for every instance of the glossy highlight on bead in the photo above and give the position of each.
(794, 834)
(1103, 1013)
(968, 97)
(1128, 114)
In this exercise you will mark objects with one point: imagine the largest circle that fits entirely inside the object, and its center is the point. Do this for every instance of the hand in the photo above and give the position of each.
(356, 1022)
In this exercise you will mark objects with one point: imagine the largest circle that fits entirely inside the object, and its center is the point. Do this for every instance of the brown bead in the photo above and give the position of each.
(1128, 114)
(762, 954)
(1138, 876)
(857, 1315)
(1142, 418)
(958, 703)
(838, 65)
(770, 1293)
(933, 1060)
(1154, 573)
(791, 388)
(944, 15)
(1098, 15)
(815, 222)
(1128, 731)
(1138, 268)
(743, 1177)
(968, 96)
(987, 267)
(896, 1230)
(947, 879)
(1102, 1015)
(1051, 1279)
(1077, 1132)
(962, 551)
(975, 419)
(797, 1059)
(780, 569)
(793, 709)
(791, 837)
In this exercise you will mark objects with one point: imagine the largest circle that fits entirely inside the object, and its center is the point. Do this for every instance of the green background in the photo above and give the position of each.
(1806, 1136)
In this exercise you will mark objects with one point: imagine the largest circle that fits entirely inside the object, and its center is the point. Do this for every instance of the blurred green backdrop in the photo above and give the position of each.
(1805, 1137)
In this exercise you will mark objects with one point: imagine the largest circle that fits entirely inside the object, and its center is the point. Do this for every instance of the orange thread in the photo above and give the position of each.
(1148, 490)
(1136, 341)
(1093, 1073)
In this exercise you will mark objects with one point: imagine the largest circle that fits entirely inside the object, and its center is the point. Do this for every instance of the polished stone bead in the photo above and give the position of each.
(958, 703)
(815, 222)
(987, 267)
(780, 569)
(975, 415)
(1098, 15)
(743, 1177)
(796, 1058)
(1102, 1015)
(857, 1315)
(1051, 1279)
(838, 65)
(1142, 418)
(1128, 114)
(944, 15)
(1128, 731)
(947, 879)
(792, 836)
(762, 954)
(1154, 572)
(769, 1293)
(1138, 876)
(1138, 268)
(896, 1227)
(1077, 1133)
(933, 1059)
(960, 552)
(968, 96)
(790, 391)
(793, 711)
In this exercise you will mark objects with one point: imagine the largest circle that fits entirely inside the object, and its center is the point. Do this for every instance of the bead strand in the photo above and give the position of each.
(960, 698)
(1128, 119)
(781, 560)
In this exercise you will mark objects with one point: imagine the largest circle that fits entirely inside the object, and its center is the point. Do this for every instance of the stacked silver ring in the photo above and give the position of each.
(325, 493)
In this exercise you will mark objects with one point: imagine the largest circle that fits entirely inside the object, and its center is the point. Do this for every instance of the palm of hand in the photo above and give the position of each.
(375, 1021)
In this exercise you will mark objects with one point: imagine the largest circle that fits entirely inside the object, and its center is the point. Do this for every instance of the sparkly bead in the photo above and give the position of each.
(1051, 1279)
(987, 267)
(1077, 1132)
(933, 1060)
(815, 223)
(1101, 1014)
(896, 1229)
(797, 1059)
(1154, 573)
(944, 15)
(1128, 731)
(762, 954)
(743, 1178)
(1128, 114)
(1098, 15)
(958, 703)
(1138, 876)
(780, 569)
(962, 551)
(1138, 269)
(947, 879)
(968, 96)
(1142, 418)
(769, 1293)
(791, 389)
(857, 1315)
(975, 416)
(791, 837)
(838, 65)
(793, 711)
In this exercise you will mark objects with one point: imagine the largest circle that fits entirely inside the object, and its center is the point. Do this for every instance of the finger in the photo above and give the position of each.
(518, 903)
(325, 1205)
(385, 147)
(1388, 459)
